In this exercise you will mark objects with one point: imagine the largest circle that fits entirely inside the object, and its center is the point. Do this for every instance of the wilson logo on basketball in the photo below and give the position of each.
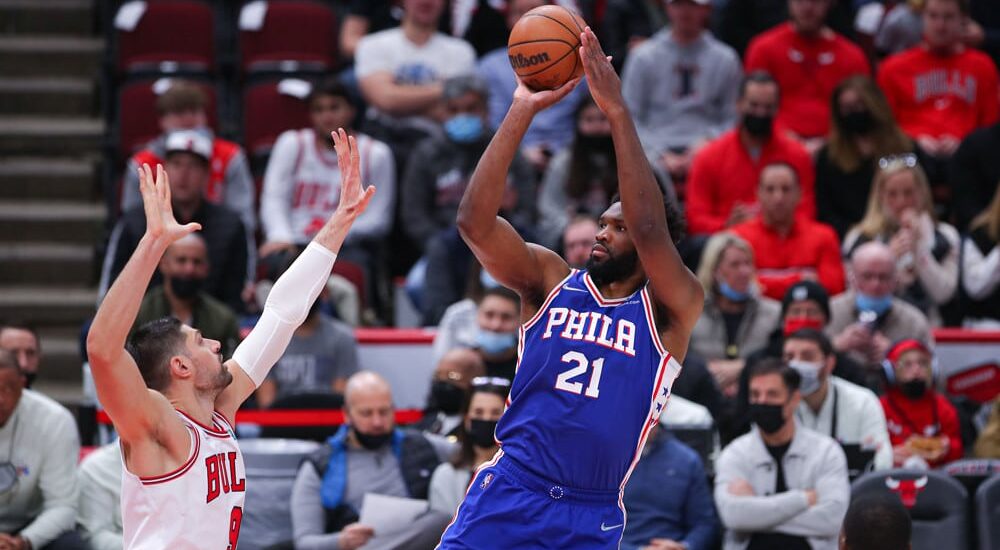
(521, 61)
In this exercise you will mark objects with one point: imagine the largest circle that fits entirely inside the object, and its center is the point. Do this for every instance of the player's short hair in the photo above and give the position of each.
(773, 365)
(676, 222)
(815, 336)
(9, 361)
(152, 345)
(758, 77)
(329, 87)
(181, 97)
(877, 522)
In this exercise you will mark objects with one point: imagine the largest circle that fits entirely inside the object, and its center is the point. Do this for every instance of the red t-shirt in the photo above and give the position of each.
(931, 415)
(807, 71)
(723, 173)
(782, 260)
(937, 95)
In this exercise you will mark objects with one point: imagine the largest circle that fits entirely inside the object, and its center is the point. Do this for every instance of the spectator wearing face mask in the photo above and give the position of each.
(583, 177)
(450, 388)
(497, 319)
(862, 131)
(848, 413)
(367, 455)
(184, 268)
(781, 486)
(722, 183)
(865, 320)
(478, 416)
(923, 424)
(736, 319)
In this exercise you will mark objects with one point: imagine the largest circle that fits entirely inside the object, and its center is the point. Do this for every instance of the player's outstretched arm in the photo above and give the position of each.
(675, 289)
(135, 410)
(295, 291)
(526, 268)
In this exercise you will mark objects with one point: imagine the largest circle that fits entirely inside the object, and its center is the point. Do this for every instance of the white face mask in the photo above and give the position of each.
(810, 375)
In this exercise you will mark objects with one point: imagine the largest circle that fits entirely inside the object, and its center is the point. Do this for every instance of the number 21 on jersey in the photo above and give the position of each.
(581, 364)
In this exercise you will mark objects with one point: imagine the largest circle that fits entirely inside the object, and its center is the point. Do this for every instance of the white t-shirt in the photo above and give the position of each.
(302, 188)
(439, 58)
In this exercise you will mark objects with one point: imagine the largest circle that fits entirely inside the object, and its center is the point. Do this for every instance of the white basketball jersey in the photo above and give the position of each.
(197, 506)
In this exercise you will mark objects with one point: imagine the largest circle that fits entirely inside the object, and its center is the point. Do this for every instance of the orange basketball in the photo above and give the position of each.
(543, 47)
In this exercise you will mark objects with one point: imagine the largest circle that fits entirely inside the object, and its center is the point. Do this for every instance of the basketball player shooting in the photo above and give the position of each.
(171, 397)
(594, 371)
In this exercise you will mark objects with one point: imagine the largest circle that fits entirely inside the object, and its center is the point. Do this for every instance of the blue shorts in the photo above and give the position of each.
(509, 507)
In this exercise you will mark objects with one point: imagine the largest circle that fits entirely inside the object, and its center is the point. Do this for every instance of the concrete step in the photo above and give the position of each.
(49, 179)
(47, 96)
(47, 305)
(50, 56)
(61, 364)
(45, 263)
(73, 17)
(50, 136)
(72, 223)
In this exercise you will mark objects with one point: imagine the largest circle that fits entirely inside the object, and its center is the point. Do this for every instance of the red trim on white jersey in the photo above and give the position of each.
(178, 472)
(215, 430)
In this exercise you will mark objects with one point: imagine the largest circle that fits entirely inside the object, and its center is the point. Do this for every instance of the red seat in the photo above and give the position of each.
(138, 121)
(295, 36)
(170, 36)
(268, 112)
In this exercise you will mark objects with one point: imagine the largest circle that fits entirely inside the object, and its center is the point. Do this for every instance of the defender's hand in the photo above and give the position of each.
(354, 198)
(160, 221)
(605, 86)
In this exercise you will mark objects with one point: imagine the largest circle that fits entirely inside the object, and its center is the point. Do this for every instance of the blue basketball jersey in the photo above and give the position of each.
(592, 377)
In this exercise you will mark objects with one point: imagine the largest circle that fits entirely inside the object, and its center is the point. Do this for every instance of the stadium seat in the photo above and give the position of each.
(988, 513)
(271, 466)
(137, 116)
(165, 37)
(288, 37)
(938, 504)
(972, 472)
(268, 111)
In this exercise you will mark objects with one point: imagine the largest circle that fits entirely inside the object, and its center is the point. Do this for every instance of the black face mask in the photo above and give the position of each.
(29, 378)
(858, 123)
(446, 397)
(769, 418)
(481, 433)
(186, 288)
(914, 389)
(372, 442)
(596, 143)
(758, 126)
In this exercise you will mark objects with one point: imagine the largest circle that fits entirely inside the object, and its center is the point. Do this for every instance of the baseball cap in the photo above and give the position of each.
(189, 141)
(905, 345)
(806, 290)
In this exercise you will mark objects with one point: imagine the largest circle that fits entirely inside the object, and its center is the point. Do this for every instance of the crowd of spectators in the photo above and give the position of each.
(836, 164)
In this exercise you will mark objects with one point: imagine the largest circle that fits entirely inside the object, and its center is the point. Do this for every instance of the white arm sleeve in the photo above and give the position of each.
(286, 308)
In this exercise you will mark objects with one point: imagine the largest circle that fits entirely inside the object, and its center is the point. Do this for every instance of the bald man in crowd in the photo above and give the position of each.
(182, 295)
(868, 318)
(22, 341)
(369, 454)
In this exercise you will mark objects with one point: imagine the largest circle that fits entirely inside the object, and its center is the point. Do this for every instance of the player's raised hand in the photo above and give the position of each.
(354, 198)
(542, 99)
(602, 80)
(160, 221)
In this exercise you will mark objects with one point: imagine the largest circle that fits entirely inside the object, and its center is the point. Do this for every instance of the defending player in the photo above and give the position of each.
(171, 397)
(594, 371)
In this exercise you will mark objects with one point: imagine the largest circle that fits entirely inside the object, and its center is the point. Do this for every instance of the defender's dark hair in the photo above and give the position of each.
(815, 336)
(771, 365)
(877, 522)
(152, 345)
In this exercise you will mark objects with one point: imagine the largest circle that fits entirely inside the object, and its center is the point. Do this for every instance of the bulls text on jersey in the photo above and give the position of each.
(220, 470)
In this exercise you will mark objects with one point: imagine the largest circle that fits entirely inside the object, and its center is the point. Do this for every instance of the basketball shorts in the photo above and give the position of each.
(508, 507)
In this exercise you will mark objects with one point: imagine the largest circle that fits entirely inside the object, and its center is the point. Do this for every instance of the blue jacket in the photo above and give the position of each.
(667, 496)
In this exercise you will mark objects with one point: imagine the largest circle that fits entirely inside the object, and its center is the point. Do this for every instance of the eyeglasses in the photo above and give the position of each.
(908, 160)
(490, 381)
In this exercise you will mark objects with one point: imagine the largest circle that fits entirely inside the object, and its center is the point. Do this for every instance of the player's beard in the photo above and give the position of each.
(224, 377)
(614, 268)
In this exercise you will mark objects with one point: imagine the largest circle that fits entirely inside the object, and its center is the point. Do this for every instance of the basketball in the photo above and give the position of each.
(543, 47)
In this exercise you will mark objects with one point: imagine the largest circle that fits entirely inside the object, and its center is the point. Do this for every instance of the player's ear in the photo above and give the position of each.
(181, 366)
